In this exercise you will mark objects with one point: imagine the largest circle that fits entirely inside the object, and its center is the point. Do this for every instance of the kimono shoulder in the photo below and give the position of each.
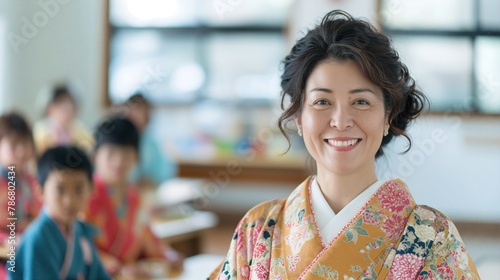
(431, 239)
(263, 212)
(258, 221)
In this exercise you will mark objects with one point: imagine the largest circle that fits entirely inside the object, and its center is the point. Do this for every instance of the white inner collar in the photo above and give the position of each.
(330, 223)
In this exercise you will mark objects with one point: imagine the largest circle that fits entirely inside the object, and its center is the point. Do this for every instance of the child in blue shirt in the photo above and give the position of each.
(57, 245)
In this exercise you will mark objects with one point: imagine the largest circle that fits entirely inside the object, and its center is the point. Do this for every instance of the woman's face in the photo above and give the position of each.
(343, 118)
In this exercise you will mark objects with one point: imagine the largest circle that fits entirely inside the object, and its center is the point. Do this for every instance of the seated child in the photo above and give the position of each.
(19, 195)
(60, 125)
(57, 245)
(115, 205)
(155, 166)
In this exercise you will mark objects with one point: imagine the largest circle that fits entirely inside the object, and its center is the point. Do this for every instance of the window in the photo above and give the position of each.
(186, 50)
(451, 48)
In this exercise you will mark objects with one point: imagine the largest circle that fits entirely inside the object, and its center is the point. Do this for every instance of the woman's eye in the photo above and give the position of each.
(321, 102)
(361, 102)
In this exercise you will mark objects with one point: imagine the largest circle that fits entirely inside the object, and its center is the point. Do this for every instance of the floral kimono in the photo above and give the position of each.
(122, 234)
(389, 237)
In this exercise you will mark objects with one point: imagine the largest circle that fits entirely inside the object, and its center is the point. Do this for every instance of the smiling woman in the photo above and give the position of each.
(343, 121)
(350, 95)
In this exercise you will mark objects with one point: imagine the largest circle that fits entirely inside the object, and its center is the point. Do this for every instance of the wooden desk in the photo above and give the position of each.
(279, 170)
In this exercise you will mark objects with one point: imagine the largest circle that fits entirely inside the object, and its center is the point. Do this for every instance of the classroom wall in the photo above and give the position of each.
(48, 41)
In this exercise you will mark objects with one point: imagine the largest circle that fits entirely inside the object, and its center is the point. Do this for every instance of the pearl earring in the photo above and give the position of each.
(299, 132)
(386, 132)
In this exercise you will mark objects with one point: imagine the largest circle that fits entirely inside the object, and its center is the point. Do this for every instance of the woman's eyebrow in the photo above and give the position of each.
(326, 90)
(360, 90)
(357, 90)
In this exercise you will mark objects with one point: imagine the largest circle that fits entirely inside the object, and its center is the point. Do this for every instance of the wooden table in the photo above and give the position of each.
(291, 170)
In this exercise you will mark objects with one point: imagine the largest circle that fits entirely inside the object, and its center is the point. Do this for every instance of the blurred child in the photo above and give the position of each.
(60, 125)
(154, 166)
(115, 205)
(57, 245)
(19, 195)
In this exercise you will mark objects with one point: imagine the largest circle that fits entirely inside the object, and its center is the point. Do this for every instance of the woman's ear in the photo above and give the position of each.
(387, 124)
(298, 123)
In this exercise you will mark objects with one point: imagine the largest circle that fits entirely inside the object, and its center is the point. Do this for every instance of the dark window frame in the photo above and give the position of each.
(471, 35)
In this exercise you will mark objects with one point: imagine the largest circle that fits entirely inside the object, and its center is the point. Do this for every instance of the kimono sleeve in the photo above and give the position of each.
(448, 258)
(238, 262)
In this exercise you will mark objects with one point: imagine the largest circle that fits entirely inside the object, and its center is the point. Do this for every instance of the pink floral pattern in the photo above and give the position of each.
(293, 260)
(392, 226)
(256, 232)
(241, 239)
(261, 271)
(371, 218)
(445, 271)
(260, 248)
(395, 198)
(406, 266)
(245, 272)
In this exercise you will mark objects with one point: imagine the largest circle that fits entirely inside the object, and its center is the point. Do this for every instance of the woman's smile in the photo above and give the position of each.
(343, 144)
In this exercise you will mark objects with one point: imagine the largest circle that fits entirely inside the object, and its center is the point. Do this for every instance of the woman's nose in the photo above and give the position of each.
(341, 118)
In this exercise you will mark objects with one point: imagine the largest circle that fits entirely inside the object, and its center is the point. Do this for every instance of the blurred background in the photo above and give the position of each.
(211, 69)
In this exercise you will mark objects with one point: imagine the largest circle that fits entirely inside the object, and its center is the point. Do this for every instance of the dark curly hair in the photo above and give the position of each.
(341, 37)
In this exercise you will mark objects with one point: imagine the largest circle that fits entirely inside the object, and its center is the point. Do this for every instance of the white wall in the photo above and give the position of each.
(64, 40)
(453, 165)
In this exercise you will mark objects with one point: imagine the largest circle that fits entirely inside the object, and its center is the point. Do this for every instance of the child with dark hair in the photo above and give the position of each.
(154, 166)
(115, 205)
(60, 125)
(19, 196)
(57, 245)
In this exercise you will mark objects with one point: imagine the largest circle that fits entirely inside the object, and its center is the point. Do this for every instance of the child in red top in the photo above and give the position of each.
(115, 205)
(19, 194)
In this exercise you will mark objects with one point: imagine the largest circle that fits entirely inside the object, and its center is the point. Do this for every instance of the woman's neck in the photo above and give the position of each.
(340, 189)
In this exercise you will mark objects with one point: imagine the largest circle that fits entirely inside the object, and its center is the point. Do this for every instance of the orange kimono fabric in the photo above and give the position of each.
(389, 238)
